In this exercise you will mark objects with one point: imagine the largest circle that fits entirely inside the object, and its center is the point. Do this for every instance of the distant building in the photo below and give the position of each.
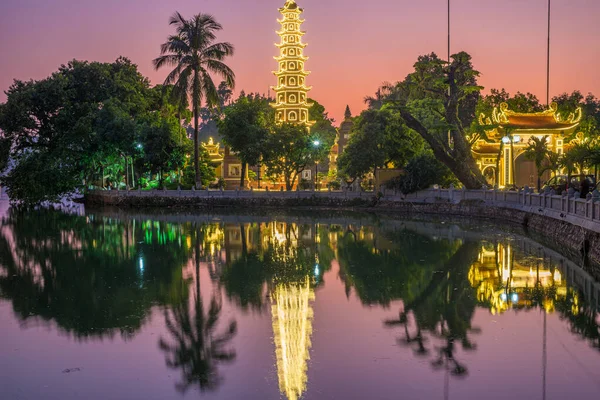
(343, 136)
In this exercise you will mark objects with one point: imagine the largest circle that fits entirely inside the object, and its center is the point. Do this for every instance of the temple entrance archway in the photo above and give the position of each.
(526, 173)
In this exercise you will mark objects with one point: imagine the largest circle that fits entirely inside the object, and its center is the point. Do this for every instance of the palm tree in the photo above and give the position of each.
(197, 348)
(195, 56)
(537, 151)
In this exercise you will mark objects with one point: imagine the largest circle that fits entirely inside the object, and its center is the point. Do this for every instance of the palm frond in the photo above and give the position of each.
(209, 89)
(219, 51)
(169, 59)
(222, 70)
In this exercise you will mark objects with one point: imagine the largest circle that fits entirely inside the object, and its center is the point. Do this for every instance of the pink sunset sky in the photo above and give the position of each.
(353, 45)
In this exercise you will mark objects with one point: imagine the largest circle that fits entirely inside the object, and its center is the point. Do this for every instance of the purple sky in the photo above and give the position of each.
(353, 45)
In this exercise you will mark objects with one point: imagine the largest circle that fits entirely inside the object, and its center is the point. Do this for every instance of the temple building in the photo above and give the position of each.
(343, 136)
(291, 93)
(501, 156)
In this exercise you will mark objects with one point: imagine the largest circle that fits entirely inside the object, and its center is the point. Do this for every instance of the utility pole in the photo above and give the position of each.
(450, 142)
(449, 31)
(548, 60)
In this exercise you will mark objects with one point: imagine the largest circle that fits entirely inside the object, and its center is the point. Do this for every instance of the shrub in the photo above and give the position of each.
(421, 173)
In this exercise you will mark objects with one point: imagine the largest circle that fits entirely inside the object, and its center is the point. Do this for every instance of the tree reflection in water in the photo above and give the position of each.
(92, 276)
(98, 276)
(196, 347)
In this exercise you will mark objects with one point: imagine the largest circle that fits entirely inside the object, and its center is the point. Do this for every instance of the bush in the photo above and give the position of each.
(421, 173)
(305, 184)
(334, 185)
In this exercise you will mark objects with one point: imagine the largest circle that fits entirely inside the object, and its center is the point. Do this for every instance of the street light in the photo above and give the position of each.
(316, 143)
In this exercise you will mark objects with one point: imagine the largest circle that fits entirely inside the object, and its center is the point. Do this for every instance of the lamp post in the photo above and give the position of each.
(316, 144)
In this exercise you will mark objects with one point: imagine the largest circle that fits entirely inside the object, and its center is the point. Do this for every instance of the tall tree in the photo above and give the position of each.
(53, 127)
(288, 151)
(195, 55)
(379, 138)
(438, 101)
(245, 128)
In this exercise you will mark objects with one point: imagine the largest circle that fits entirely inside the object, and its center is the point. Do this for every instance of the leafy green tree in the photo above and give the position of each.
(590, 105)
(537, 151)
(576, 160)
(195, 55)
(379, 138)
(245, 129)
(161, 150)
(322, 131)
(288, 150)
(53, 127)
(438, 101)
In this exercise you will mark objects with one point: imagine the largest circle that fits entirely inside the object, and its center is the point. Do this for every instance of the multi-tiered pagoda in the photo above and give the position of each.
(291, 93)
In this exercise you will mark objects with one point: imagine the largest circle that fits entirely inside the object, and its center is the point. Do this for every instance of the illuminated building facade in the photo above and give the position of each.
(291, 93)
(506, 143)
(228, 167)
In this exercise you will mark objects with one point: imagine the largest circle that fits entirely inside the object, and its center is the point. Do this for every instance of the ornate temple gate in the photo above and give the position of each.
(501, 157)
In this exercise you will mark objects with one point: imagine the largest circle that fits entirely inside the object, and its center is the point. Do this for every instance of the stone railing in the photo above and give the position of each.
(584, 212)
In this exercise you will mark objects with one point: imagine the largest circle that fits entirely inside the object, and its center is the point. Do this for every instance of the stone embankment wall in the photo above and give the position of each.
(578, 233)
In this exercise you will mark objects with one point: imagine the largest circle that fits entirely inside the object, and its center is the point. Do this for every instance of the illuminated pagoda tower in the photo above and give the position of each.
(292, 327)
(291, 93)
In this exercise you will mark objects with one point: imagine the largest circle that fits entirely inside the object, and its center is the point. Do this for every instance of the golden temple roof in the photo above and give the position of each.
(544, 121)
(290, 5)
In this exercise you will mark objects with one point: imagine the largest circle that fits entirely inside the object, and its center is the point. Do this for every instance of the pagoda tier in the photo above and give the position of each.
(291, 93)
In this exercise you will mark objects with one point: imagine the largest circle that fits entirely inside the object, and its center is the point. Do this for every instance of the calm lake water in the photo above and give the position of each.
(114, 305)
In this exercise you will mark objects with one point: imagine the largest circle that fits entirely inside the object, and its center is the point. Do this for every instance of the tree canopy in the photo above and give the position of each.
(89, 123)
(379, 138)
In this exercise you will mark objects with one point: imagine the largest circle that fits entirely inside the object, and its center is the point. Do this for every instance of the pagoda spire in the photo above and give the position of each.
(347, 113)
(291, 93)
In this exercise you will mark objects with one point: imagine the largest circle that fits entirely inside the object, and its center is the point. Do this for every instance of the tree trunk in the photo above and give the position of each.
(126, 174)
(196, 155)
(244, 241)
(459, 160)
(180, 143)
(243, 177)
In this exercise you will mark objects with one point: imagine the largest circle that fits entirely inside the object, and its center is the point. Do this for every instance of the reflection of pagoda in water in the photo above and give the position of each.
(504, 281)
(292, 327)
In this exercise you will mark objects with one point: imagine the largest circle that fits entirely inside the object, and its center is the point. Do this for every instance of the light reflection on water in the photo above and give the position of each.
(302, 306)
